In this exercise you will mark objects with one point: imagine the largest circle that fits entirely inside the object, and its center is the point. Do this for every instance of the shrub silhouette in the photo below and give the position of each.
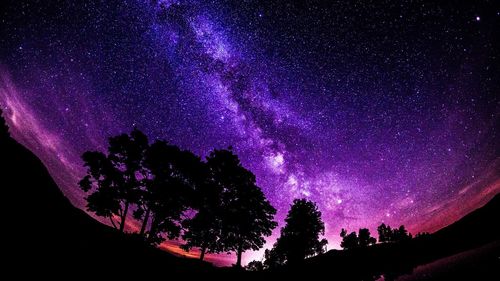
(300, 237)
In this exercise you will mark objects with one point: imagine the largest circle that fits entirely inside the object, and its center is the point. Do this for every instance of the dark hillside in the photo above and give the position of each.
(46, 234)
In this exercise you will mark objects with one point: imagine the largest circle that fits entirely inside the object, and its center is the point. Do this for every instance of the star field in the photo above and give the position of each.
(379, 111)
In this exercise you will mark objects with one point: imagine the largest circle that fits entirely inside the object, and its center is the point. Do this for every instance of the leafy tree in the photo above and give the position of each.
(255, 266)
(170, 180)
(114, 177)
(300, 237)
(203, 230)
(274, 257)
(384, 233)
(349, 241)
(401, 234)
(387, 234)
(365, 239)
(247, 216)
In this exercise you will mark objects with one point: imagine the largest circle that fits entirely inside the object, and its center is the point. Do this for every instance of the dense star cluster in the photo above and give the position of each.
(379, 111)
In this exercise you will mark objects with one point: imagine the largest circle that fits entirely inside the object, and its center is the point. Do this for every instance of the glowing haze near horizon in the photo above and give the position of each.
(378, 114)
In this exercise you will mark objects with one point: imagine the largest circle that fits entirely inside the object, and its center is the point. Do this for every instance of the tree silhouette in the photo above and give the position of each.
(274, 257)
(203, 230)
(343, 233)
(4, 129)
(247, 216)
(401, 234)
(422, 235)
(170, 179)
(349, 241)
(114, 177)
(365, 238)
(300, 237)
(255, 266)
(384, 233)
(387, 234)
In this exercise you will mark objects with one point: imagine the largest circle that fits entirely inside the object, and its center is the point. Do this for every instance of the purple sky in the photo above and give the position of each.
(378, 114)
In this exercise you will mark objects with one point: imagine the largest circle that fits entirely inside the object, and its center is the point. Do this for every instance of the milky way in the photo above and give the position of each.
(383, 113)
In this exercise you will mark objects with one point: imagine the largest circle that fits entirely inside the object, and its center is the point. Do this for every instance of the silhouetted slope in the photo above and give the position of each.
(476, 228)
(47, 235)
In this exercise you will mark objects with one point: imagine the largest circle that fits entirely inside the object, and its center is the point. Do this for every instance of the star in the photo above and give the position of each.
(355, 117)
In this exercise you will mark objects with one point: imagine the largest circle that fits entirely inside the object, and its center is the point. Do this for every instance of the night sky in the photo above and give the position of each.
(379, 111)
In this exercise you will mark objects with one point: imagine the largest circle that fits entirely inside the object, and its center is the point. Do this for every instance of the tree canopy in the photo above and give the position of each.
(214, 204)
(387, 234)
(247, 216)
(170, 181)
(255, 266)
(365, 238)
(114, 178)
(204, 228)
(300, 237)
(353, 240)
(349, 241)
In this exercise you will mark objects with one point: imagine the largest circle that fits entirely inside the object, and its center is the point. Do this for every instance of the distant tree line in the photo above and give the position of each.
(388, 235)
(364, 239)
(353, 240)
(300, 238)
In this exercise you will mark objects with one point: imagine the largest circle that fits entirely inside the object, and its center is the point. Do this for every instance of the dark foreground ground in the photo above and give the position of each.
(44, 236)
(482, 263)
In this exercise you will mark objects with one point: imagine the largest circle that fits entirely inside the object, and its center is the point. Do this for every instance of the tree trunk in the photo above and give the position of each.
(239, 252)
(202, 255)
(113, 222)
(124, 217)
(152, 229)
(145, 222)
